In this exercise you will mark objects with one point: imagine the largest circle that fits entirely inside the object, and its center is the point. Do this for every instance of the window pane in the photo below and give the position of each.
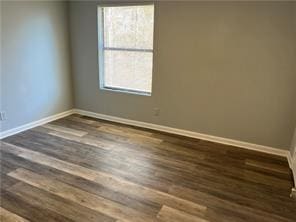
(129, 27)
(128, 70)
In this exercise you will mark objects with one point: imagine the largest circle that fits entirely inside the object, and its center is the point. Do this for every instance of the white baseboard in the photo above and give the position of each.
(292, 165)
(237, 143)
(35, 123)
(289, 157)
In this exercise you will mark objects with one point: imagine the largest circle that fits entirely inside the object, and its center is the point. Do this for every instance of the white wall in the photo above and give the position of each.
(35, 71)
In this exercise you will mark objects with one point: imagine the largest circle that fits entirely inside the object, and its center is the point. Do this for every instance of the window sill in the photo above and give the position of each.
(118, 90)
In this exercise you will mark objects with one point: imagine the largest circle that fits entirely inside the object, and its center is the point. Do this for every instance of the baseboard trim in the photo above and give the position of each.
(34, 124)
(226, 141)
(292, 165)
(241, 144)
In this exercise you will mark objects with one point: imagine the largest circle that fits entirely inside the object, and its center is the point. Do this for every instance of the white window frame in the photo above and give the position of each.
(101, 48)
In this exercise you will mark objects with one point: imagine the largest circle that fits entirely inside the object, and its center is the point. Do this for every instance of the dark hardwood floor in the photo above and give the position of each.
(82, 169)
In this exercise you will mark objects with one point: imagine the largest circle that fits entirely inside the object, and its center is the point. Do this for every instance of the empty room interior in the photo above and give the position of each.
(141, 111)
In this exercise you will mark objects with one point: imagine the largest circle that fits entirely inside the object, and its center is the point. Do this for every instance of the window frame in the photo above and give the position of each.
(101, 48)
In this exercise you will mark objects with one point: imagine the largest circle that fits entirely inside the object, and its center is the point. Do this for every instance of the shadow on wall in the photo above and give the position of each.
(35, 68)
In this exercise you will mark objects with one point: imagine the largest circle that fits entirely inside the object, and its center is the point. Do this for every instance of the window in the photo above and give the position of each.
(126, 47)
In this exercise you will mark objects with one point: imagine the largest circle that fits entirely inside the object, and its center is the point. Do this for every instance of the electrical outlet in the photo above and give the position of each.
(2, 116)
(156, 111)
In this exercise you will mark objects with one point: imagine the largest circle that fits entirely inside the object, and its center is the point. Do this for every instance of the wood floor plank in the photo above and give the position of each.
(139, 159)
(96, 160)
(91, 130)
(266, 179)
(6, 167)
(267, 166)
(114, 183)
(138, 204)
(133, 136)
(121, 150)
(7, 216)
(218, 180)
(65, 130)
(6, 181)
(226, 183)
(78, 119)
(175, 153)
(89, 141)
(168, 214)
(240, 209)
(25, 209)
(244, 154)
(73, 211)
(94, 202)
(82, 169)
(122, 127)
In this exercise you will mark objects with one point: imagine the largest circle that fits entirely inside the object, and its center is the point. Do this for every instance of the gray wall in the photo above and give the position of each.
(35, 71)
(224, 69)
(293, 144)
